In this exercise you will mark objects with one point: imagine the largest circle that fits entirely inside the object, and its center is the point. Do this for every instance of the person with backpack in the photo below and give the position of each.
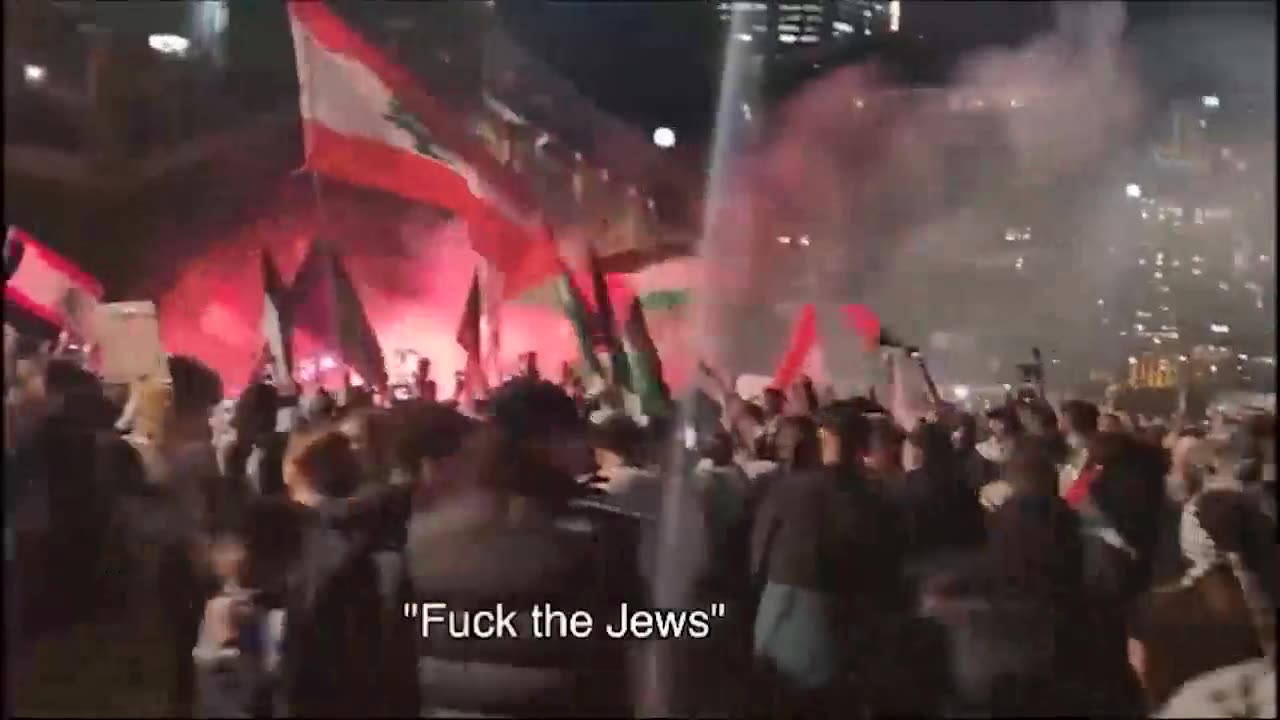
(827, 554)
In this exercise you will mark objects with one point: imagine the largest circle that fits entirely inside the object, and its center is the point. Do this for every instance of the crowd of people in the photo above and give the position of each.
(1029, 560)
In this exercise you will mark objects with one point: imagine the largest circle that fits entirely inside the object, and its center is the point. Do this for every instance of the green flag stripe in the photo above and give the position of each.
(665, 299)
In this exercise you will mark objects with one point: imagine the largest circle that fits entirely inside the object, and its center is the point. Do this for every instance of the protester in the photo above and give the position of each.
(508, 533)
(1005, 428)
(270, 560)
(618, 444)
(827, 552)
(976, 469)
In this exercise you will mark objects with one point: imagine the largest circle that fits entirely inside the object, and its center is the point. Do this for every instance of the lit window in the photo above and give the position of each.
(787, 39)
(1210, 101)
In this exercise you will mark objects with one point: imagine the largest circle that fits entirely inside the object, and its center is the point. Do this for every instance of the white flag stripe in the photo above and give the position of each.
(44, 288)
(350, 99)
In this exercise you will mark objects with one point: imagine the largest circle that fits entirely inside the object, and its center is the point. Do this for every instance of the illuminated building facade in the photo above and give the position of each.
(1201, 281)
(778, 28)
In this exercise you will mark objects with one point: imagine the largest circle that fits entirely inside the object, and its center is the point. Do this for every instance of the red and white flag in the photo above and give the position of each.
(367, 122)
(48, 285)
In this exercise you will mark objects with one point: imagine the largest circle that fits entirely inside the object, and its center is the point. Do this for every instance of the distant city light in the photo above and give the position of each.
(34, 74)
(1213, 368)
(744, 37)
(1133, 360)
(169, 44)
(1210, 101)
(1219, 328)
(1197, 271)
(664, 137)
(1133, 190)
(1101, 301)
(804, 240)
(842, 27)
(784, 239)
(961, 392)
(1242, 356)
(328, 363)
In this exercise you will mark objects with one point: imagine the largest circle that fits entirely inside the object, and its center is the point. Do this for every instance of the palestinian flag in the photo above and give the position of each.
(579, 315)
(645, 363)
(326, 305)
(48, 285)
(606, 335)
(469, 338)
(365, 121)
(275, 324)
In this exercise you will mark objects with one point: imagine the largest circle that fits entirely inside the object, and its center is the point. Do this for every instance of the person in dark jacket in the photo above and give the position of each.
(827, 551)
(976, 469)
(1024, 637)
(942, 515)
(512, 532)
(311, 556)
(258, 450)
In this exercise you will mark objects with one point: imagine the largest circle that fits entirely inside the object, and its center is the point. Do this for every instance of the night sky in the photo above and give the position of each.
(658, 63)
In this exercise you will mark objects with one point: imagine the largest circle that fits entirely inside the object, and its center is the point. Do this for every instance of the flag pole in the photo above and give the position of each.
(319, 242)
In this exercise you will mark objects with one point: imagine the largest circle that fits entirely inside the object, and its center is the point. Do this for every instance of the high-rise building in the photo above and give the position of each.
(778, 27)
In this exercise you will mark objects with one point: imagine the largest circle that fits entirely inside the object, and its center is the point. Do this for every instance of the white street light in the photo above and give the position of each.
(664, 137)
(34, 74)
(169, 44)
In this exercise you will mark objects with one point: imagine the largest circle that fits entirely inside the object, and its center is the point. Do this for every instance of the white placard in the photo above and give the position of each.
(128, 337)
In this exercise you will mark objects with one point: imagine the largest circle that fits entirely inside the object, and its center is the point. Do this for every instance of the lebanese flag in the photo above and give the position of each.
(48, 285)
(866, 323)
(365, 121)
